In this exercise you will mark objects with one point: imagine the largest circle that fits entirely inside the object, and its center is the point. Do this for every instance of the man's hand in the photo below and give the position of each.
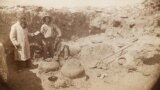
(32, 34)
(18, 47)
(37, 33)
(58, 38)
(44, 42)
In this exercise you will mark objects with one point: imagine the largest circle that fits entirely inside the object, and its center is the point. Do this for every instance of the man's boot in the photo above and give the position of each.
(19, 66)
(28, 64)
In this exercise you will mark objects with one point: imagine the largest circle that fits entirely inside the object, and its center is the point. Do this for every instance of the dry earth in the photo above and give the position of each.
(111, 49)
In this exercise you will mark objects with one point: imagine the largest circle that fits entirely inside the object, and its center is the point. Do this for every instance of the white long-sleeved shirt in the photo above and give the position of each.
(19, 36)
(48, 30)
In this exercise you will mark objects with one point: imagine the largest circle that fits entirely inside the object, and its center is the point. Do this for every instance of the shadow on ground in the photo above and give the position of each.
(24, 80)
(157, 85)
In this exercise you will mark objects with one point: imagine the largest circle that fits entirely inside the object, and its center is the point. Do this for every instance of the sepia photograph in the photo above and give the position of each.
(79, 44)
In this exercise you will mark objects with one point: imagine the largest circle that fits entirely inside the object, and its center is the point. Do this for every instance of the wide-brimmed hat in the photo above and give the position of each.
(46, 16)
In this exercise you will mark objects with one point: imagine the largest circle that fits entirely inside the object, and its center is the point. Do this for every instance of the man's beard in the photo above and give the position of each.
(23, 24)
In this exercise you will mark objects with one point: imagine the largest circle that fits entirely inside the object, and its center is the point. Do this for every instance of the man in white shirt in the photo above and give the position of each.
(52, 35)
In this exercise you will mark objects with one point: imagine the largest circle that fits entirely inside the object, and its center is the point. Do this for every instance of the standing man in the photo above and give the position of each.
(19, 38)
(51, 39)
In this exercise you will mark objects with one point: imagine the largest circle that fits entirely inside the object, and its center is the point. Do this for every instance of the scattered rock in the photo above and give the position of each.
(131, 25)
(60, 83)
(146, 74)
(121, 61)
(53, 78)
(93, 66)
(103, 66)
(103, 76)
(98, 75)
(131, 69)
(62, 62)
(49, 59)
(116, 23)
(158, 22)
(86, 77)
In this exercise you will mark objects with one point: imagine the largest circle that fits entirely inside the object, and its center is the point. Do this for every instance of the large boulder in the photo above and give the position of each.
(72, 69)
(47, 66)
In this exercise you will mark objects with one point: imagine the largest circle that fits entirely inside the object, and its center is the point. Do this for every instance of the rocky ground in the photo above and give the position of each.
(111, 48)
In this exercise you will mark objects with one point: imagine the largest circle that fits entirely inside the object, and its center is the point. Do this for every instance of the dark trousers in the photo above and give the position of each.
(51, 47)
(48, 47)
(23, 64)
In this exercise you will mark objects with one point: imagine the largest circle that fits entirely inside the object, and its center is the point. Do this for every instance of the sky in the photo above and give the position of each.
(70, 3)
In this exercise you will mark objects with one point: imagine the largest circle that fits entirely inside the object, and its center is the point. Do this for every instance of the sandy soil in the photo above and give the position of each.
(114, 76)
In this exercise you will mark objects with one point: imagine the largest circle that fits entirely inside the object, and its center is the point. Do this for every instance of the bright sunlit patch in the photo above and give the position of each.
(71, 3)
